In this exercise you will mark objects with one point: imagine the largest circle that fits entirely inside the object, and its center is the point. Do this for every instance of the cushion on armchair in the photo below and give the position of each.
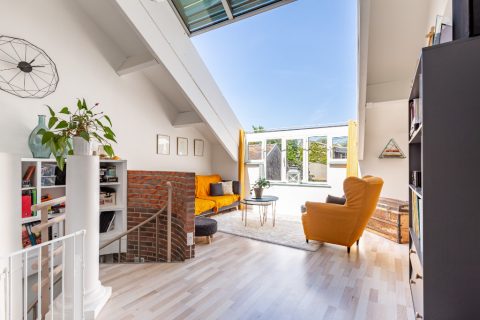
(336, 200)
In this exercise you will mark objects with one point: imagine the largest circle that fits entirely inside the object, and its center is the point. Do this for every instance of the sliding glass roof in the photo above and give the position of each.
(199, 15)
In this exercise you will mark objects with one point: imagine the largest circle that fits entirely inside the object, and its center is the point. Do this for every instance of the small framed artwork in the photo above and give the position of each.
(163, 144)
(198, 145)
(182, 146)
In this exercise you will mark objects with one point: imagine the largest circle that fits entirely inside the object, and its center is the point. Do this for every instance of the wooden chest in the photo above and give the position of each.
(390, 220)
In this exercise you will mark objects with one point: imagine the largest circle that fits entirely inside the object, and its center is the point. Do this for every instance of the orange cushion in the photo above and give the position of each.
(222, 201)
(202, 184)
(202, 205)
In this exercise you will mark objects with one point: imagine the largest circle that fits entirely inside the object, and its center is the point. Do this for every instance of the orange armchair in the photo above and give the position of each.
(343, 224)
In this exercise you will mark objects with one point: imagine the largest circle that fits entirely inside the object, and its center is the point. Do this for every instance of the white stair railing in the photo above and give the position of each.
(38, 296)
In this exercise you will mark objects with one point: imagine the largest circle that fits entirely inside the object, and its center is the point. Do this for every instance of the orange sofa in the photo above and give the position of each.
(343, 224)
(205, 203)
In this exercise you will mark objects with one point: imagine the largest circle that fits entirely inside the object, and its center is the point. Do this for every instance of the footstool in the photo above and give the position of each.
(205, 227)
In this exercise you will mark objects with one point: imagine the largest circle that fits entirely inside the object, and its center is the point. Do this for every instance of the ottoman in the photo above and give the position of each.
(205, 227)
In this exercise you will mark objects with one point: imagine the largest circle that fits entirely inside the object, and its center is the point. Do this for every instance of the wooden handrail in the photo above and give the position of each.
(57, 273)
(45, 260)
(123, 234)
(168, 207)
(48, 203)
(39, 227)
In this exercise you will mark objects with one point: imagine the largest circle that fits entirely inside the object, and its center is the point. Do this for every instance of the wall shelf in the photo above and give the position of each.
(56, 191)
(53, 187)
(444, 230)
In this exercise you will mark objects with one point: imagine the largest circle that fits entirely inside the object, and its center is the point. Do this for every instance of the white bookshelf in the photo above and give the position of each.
(120, 207)
(55, 191)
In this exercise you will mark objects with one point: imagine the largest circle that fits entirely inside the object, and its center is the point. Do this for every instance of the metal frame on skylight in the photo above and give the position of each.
(198, 16)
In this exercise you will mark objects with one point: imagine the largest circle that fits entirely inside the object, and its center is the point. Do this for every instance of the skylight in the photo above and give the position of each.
(202, 15)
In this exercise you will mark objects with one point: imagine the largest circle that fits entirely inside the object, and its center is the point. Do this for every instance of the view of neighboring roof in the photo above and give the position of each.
(198, 15)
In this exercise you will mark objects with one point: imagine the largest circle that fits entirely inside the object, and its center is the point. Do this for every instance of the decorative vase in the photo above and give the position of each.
(35, 140)
(81, 147)
(258, 192)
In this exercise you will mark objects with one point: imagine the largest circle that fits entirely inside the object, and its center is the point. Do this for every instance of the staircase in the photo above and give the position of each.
(136, 232)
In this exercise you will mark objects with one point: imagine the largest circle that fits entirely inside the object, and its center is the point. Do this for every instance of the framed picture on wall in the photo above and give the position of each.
(198, 146)
(163, 144)
(182, 146)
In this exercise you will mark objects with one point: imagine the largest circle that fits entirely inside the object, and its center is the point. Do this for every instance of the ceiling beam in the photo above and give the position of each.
(136, 63)
(187, 119)
(228, 9)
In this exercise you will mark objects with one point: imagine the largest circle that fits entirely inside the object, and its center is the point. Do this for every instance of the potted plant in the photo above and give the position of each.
(73, 132)
(259, 185)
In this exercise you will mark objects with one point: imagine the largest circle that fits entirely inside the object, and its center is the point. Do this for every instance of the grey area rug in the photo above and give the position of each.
(286, 232)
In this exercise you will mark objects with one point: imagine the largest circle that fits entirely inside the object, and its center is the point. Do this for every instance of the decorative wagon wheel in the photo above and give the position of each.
(26, 70)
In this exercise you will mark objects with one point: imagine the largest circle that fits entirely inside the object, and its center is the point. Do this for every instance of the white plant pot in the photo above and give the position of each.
(81, 147)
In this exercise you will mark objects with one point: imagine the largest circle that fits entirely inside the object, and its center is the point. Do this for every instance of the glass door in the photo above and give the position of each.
(273, 159)
(317, 159)
(294, 167)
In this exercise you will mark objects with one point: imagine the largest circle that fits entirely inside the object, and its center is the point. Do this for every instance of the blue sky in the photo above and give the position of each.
(291, 66)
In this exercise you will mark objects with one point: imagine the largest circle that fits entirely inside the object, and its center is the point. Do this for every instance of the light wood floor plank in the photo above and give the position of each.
(239, 278)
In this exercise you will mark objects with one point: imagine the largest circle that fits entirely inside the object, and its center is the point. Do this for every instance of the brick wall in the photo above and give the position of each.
(147, 193)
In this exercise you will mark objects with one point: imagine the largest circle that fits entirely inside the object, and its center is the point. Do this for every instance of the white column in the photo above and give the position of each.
(82, 207)
(10, 228)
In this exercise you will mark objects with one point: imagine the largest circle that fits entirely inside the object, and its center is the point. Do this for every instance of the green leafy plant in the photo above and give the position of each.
(262, 183)
(258, 129)
(84, 122)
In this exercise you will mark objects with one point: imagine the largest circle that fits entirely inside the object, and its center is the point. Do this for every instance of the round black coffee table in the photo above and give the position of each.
(263, 204)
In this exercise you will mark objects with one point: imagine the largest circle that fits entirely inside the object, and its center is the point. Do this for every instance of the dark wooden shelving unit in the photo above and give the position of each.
(445, 255)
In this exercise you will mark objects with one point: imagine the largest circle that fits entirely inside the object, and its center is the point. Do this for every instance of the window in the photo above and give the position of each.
(273, 159)
(339, 147)
(255, 151)
(317, 159)
(200, 14)
(294, 168)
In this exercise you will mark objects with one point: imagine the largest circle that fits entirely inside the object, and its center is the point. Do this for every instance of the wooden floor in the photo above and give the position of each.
(239, 278)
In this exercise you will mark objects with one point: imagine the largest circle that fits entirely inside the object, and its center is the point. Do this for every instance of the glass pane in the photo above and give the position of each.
(317, 159)
(294, 161)
(240, 7)
(274, 159)
(199, 14)
(255, 150)
(339, 147)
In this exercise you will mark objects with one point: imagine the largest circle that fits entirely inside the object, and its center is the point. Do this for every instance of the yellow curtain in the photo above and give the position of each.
(352, 149)
(241, 163)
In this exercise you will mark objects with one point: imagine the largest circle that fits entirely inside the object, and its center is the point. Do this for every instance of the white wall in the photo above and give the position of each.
(386, 120)
(84, 56)
(162, 31)
(223, 164)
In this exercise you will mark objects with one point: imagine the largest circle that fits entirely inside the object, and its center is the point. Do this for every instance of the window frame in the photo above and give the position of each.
(304, 137)
(262, 152)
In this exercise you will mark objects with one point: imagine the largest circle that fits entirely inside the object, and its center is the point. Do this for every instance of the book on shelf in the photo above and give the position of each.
(29, 198)
(416, 215)
(415, 115)
(106, 221)
(420, 220)
(27, 177)
(28, 237)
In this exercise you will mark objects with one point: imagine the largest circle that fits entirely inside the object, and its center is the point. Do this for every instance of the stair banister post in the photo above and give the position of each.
(169, 223)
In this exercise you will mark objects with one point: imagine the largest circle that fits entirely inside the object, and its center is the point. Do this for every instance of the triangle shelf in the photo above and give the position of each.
(392, 151)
